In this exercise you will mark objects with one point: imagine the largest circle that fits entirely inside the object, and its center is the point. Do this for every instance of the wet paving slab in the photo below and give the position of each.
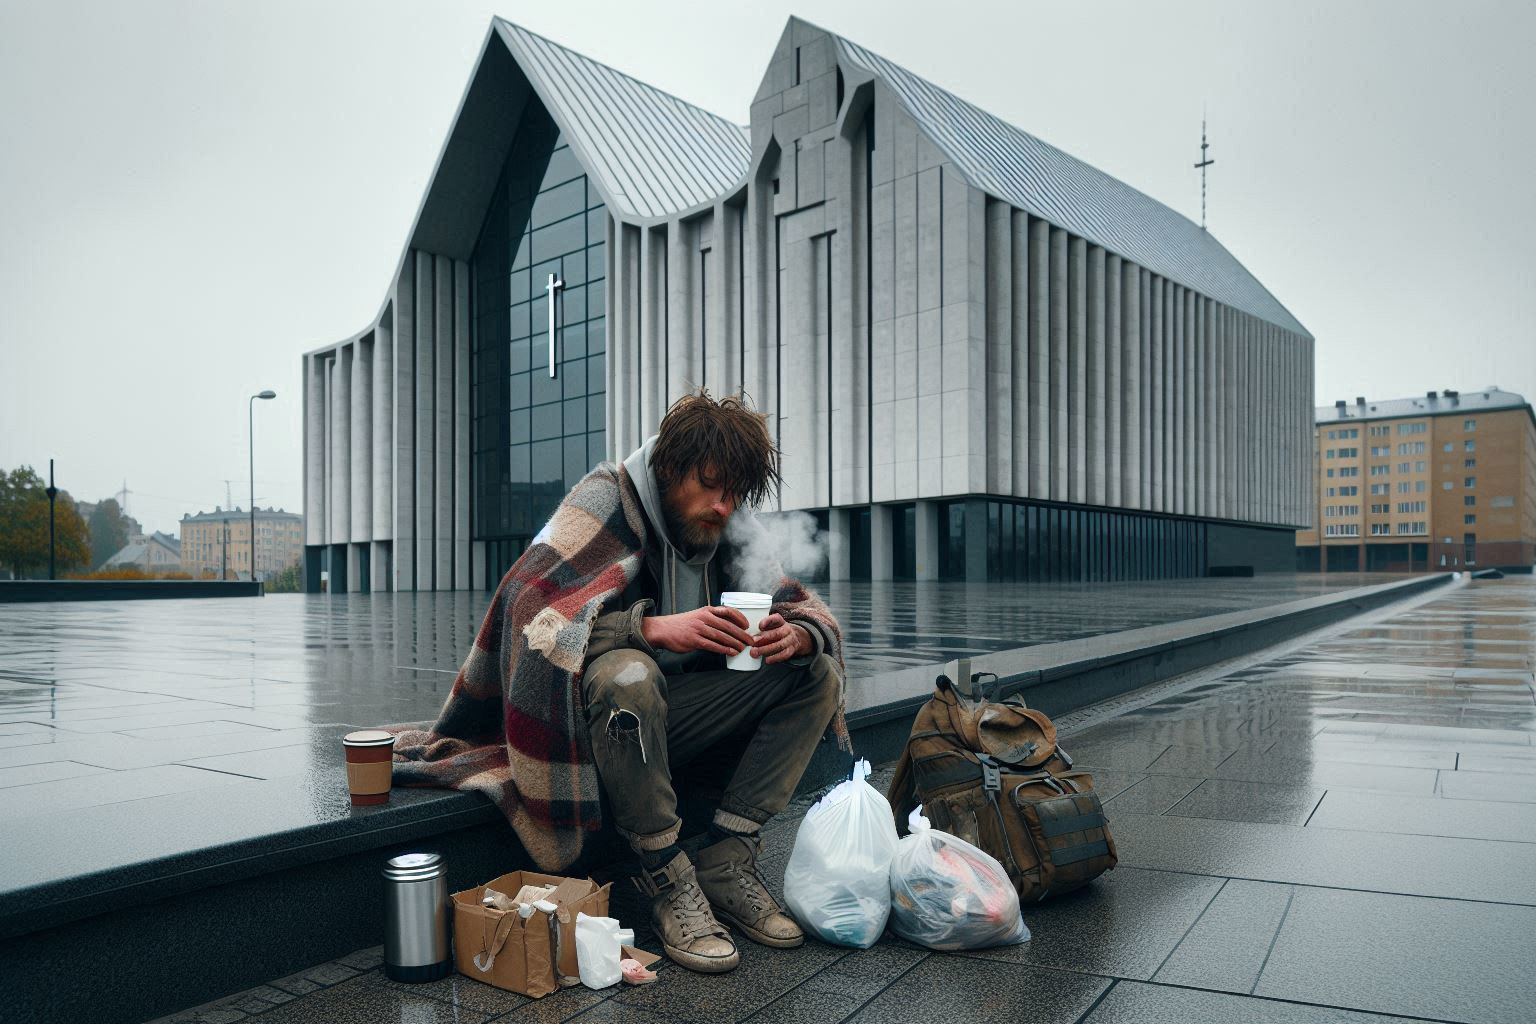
(1402, 893)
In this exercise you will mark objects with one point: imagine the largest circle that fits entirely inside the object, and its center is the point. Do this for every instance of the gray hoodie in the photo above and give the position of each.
(684, 577)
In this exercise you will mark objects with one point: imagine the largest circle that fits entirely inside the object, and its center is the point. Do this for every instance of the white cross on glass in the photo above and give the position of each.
(549, 289)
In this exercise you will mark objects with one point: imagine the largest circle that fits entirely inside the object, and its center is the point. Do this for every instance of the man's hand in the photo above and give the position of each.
(722, 630)
(780, 641)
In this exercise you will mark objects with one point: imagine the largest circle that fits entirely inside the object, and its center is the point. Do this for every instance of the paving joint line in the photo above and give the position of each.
(1093, 1006)
(1290, 896)
(1181, 799)
(1334, 888)
(1392, 1014)
(1203, 911)
(927, 955)
(1314, 809)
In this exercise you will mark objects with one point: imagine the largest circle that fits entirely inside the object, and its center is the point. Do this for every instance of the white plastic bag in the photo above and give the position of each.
(837, 884)
(947, 894)
(597, 951)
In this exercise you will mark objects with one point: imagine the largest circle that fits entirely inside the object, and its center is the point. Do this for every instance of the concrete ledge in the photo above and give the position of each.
(12, 591)
(1062, 677)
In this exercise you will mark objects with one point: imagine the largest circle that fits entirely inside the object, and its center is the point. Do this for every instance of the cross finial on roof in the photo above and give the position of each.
(1205, 162)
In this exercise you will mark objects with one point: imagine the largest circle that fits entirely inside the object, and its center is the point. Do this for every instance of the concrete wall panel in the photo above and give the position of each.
(340, 504)
(316, 481)
(1095, 415)
(999, 394)
(461, 415)
(1077, 369)
(1159, 393)
(403, 499)
(426, 421)
(1132, 429)
(442, 431)
(1019, 358)
(1114, 385)
(383, 413)
(360, 435)
(1040, 418)
(1061, 440)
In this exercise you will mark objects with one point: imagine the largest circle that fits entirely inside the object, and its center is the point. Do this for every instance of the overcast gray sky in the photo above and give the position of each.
(192, 194)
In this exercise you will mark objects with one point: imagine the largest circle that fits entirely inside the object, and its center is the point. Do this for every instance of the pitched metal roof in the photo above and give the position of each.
(1444, 403)
(652, 154)
(1022, 170)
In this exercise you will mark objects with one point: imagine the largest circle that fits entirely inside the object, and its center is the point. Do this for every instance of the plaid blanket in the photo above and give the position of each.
(514, 725)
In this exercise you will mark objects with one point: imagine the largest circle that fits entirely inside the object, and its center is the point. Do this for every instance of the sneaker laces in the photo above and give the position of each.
(752, 883)
(691, 910)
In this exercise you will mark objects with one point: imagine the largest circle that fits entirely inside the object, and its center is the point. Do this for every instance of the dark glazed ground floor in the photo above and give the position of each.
(974, 540)
(1413, 555)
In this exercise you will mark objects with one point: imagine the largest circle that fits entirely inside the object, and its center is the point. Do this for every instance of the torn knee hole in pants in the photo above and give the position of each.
(624, 726)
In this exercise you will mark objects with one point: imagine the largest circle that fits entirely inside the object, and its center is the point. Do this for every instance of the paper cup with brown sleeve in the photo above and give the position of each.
(370, 765)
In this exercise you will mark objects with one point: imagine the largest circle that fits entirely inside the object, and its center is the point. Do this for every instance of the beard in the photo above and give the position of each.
(691, 533)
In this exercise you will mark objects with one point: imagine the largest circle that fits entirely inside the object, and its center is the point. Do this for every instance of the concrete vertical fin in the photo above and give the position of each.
(403, 453)
(1020, 358)
(999, 393)
(461, 425)
(1114, 387)
(1096, 418)
(442, 431)
(1061, 451)
(426, 420)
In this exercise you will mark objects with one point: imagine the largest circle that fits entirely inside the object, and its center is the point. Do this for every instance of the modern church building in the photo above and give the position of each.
(982, 358)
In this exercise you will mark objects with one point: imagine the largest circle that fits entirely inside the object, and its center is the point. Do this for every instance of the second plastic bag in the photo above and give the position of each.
(837, 884)
(947, 894)
(598, 950)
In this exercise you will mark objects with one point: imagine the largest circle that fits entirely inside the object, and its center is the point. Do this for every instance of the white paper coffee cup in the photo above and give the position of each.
(756, 608)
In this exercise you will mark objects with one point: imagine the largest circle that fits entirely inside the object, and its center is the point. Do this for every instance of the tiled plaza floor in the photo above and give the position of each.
(1343, 832)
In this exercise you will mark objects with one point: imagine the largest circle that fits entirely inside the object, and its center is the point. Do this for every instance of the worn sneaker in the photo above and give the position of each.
(729, 877)
(689, 933)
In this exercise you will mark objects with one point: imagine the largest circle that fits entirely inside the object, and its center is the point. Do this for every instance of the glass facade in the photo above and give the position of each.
(1045, 542)
(535, 435)
(1048, 543)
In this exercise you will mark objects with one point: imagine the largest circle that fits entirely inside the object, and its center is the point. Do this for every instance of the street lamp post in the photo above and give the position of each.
(52, 492)
(250, 434)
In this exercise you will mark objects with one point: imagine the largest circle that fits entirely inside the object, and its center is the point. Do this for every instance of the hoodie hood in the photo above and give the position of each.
(684, 585)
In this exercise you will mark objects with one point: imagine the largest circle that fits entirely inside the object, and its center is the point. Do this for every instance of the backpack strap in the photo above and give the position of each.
(902, 792)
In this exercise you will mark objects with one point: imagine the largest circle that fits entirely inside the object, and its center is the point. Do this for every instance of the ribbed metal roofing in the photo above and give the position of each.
(1022, 170)
(1488, 399)
(652, 154)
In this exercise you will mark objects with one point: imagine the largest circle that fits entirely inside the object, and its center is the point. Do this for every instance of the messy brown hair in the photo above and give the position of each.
(726, 441)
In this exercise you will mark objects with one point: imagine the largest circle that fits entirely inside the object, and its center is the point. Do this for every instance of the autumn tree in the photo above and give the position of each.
(109, 531)
(24, 526)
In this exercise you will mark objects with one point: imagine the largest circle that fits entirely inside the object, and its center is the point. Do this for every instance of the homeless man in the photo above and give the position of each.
(600, 667)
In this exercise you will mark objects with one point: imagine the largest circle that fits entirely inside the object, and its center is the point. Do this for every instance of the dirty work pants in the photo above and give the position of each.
(642, 722)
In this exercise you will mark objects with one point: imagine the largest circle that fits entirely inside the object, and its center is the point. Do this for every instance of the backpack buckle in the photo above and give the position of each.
(991, 778)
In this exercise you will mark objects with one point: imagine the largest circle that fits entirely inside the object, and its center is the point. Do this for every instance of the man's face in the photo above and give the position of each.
(696, 512)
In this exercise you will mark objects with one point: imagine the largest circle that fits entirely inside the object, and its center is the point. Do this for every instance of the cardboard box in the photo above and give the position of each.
(528, 956)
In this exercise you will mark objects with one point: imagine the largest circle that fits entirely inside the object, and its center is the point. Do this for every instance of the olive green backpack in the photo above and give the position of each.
(991, 773)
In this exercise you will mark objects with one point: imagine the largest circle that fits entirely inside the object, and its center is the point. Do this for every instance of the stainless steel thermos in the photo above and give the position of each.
(416, 918)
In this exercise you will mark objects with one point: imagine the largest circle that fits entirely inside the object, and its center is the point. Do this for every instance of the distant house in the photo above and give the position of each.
(218, 543)
(154, 553)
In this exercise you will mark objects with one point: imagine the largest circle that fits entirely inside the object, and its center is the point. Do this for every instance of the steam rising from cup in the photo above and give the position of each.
(771, 545)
